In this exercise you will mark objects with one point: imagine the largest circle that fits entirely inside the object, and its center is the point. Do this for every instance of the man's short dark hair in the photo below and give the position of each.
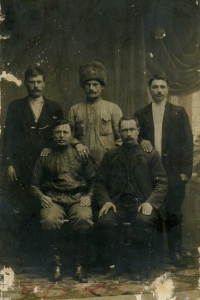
(159, 77)
(128, 118)
(60, 122)
(33, 71)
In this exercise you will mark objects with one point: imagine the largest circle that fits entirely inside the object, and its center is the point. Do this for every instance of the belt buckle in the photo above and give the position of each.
(134, 200)
(131, 202)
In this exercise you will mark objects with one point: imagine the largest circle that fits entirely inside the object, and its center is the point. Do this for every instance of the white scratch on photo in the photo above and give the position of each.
(10, 77)
(7, 277)
(163, 287)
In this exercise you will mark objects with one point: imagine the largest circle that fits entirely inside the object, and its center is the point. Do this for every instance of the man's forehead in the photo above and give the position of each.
(92, 81)
(35, 78)
(128, 124)
(62, 127)
(159, 82)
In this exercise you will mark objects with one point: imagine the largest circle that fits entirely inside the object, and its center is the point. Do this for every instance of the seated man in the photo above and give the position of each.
(131, 185)
(63, 183)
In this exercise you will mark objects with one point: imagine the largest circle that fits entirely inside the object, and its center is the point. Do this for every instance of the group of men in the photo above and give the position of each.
(123, 164)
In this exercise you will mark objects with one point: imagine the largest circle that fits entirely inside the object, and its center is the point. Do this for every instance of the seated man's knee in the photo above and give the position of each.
(79, 225)
(146, 221)
(107, 221)
(50, 221)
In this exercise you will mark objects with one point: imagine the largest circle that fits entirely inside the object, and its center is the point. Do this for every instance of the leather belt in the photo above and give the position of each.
(128, 202)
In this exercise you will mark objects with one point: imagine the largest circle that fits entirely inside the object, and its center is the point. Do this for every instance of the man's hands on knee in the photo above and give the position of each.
(46, 201)
(85, 201)
(83, 151)
(12, 176)
(146, 209)
(146, 145)
(105, 208)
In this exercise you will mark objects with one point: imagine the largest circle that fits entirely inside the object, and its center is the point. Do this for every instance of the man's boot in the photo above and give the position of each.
(54, 268)
(81, 242)
(113, 240)
(55, 265)
(174, 234)
(139, 254)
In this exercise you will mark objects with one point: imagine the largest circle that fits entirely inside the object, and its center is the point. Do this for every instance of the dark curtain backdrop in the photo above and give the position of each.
(134, 39)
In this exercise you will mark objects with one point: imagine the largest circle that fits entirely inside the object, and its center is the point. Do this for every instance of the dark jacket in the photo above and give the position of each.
(177, 139)
(147, 176)
(23, 138)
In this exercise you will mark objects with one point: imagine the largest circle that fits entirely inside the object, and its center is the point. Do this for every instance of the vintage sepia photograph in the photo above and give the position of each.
(100, 149)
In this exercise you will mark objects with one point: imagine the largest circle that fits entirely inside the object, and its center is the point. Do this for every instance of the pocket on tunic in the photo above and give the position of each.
(79, 127)
(106, 126)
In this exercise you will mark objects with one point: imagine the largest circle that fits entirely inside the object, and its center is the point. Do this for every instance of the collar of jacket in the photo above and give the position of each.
(136, 156)
(46, 101)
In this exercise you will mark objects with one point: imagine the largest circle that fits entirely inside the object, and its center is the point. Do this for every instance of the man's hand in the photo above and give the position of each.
(105, 208)
(83, 151)
(184, 178)
(85, 201)
(12, 177)
(146, 145)
(45, 152)
(146, 209)
(46, 201)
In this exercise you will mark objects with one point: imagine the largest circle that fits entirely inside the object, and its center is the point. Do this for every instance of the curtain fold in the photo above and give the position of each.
(173, 40)
(134, 39)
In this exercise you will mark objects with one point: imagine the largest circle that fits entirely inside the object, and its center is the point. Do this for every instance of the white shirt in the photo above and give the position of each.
(158, 110)
(36, 106)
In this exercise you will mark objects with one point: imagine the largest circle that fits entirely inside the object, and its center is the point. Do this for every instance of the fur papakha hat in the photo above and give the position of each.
(92, 71)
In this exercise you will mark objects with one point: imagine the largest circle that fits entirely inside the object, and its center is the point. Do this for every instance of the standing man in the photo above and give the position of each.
(28, 128)
(166, 127)
(63, 184)
(95, 121)
(27, 131)
(131, 185)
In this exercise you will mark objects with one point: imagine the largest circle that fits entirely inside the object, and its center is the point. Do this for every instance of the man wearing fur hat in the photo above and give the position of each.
(94, 121)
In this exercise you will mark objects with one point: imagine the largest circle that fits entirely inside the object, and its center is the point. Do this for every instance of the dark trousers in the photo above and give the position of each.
(81, 222)
(128, 214)
(173, 202)
(111, 222)
(80, 217)
(17, 219)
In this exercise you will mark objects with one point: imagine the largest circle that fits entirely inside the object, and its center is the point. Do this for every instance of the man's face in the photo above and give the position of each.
(35, 86)
(62, 135)
(93, 89)
(129, 132)
(158, 90)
